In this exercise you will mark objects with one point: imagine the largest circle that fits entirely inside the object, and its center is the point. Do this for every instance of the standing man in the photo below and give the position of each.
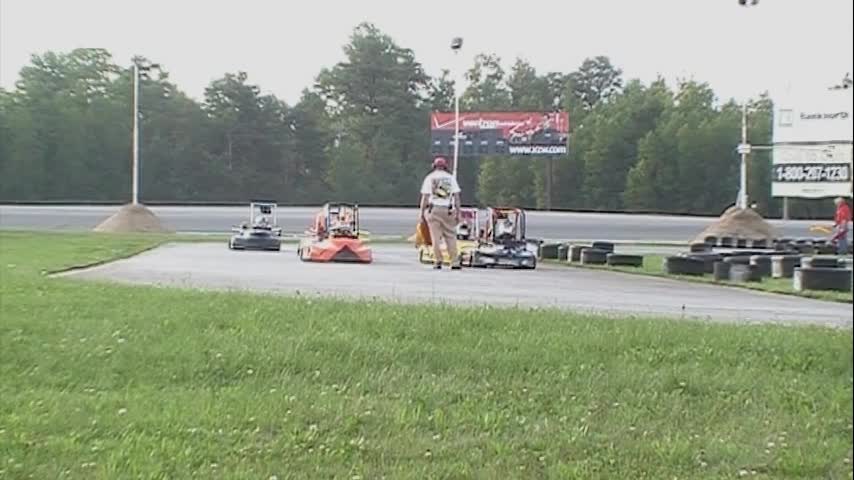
(440, 201)
(840, 226)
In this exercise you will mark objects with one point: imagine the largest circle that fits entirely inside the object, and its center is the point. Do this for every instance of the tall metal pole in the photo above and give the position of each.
(135, 164)
(743, 198)
(456, 133)
(456, 119)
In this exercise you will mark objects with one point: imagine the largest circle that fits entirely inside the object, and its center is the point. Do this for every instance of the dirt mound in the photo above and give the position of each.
(132, 219)
(739, 223)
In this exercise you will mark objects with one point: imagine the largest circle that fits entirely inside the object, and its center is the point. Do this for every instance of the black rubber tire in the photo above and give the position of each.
(820, 262)
(604, 246)
(677, 265)
(594, 256)
(699, 247)
(623, 260)
(838, 279)
(549, 251)
(762, 264)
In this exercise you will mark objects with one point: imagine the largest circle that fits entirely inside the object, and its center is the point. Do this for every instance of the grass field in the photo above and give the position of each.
(653, 266)
(106, 381)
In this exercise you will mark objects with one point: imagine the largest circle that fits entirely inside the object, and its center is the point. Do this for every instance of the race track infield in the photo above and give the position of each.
(396, 275)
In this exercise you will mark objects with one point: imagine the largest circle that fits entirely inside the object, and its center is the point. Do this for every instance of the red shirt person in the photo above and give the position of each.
(840, 225)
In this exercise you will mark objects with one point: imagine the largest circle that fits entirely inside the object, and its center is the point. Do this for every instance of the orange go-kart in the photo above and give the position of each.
(334, 237)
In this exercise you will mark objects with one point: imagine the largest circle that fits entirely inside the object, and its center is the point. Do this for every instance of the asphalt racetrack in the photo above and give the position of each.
(396, 275)
(388, 221)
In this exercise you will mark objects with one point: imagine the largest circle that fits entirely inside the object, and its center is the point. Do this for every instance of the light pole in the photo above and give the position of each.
(456, 45)
(744, 149)
(135, 162)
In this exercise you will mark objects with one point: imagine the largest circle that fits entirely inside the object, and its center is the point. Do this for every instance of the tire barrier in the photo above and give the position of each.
(781, 245)
(574, 254)
(699, 247)
(838, 279)
(604, 246)
(549, 250)
(783, 266)
(563, 252)
(762, 264)
(708, 259)
(720, 271)
(759, 243)
(593, 256)
(711, 240)
(825, 249)
(846, 263)
(738, 260)
(622, 260)
(678, 265)
(805, 248)
(741, 243)
(789, 248)
(727, 242)
(744, 273)
(820, 262)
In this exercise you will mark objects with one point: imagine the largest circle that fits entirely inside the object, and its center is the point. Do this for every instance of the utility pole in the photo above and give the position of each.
(744, 150)
(135, 161)
(135, 155)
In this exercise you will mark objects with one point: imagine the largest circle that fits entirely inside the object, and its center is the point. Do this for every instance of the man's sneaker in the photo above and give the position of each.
(456, 267)
(437, 266)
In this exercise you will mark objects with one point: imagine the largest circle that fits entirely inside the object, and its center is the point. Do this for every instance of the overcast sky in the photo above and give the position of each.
(282, 45)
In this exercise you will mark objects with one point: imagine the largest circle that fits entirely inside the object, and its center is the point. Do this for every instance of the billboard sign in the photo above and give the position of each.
(811, 171)
(501, 133)
(812, 145)
(825, 116)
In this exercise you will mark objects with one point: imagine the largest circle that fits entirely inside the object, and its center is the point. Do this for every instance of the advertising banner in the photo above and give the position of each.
(501, 133)
(812, 145)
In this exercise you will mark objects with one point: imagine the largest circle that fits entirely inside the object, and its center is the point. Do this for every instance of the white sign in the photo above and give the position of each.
(812, 148)
(811, 171)
(823, 116)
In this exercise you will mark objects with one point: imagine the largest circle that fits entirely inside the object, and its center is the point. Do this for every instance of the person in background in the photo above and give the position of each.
(840, 226)
(440, 201)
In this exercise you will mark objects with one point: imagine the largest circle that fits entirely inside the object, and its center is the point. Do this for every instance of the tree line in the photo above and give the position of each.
(361, 133)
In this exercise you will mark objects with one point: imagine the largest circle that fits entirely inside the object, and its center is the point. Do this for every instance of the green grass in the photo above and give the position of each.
(108, 381)
(653, 266)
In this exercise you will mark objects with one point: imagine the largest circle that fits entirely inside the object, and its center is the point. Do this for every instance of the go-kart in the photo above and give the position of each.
(503, 243)
(467, 232)
(335, 236)
(261, 232)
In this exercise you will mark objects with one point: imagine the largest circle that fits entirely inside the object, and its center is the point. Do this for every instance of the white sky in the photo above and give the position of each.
(283, 44)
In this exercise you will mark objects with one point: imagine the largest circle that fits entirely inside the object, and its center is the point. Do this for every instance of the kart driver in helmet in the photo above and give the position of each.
(505, 230)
